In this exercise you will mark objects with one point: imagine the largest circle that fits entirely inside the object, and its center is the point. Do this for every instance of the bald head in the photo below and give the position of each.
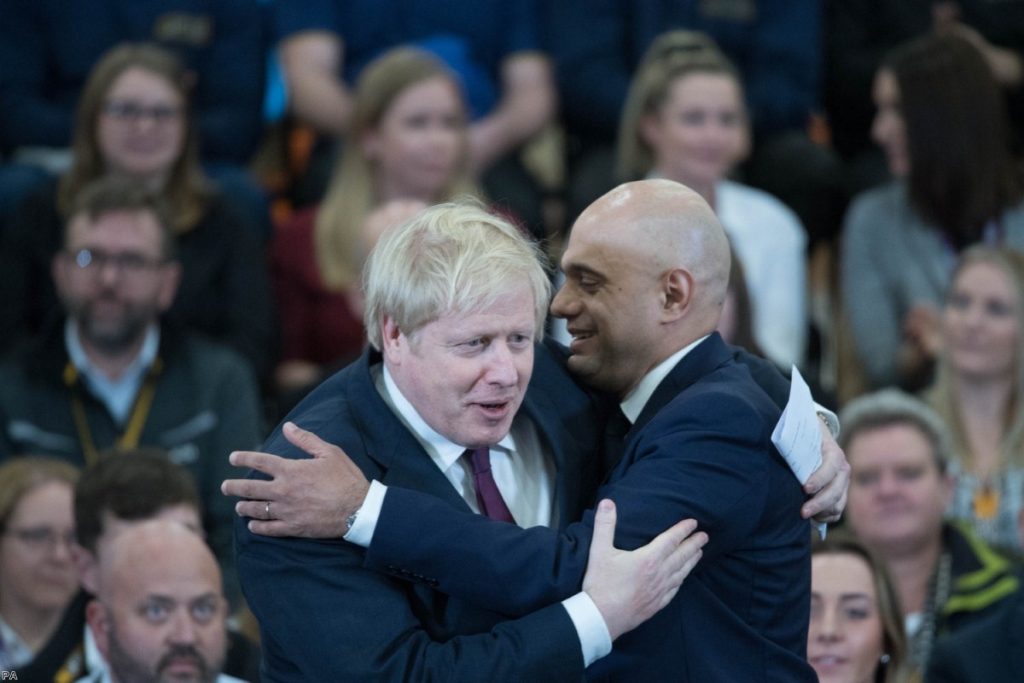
(160, 614)
(664, 225)
(647, 268)
(152, 548)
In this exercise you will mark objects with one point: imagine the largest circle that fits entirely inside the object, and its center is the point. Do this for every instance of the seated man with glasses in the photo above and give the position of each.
(111, 374)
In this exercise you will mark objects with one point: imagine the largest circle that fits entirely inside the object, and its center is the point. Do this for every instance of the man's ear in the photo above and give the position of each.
(676, 293)
(98, 618)
(392, 341)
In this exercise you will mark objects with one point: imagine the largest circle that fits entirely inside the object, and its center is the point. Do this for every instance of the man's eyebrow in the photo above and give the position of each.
(580, 269)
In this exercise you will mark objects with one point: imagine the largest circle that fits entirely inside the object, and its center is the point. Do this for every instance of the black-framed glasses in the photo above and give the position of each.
(42, 537)
(127, 263)
(126, 110)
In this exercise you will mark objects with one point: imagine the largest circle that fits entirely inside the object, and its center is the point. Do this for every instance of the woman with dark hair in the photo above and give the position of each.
(856, 631)
(134, 120)
(942, 123)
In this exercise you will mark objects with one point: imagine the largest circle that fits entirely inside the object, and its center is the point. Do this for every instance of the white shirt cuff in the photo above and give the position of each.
(831, 420)
(362, 529)
(595, 641)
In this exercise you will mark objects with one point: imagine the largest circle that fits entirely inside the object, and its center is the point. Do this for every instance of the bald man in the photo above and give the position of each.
(646, 271)
(160, 611)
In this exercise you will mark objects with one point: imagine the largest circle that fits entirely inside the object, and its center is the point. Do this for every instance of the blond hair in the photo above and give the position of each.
(351, 195)
(943, 394)
(671, 56)
(449, 258)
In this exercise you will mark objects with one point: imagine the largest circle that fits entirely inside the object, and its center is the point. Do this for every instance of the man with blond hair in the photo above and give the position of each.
(455, 299)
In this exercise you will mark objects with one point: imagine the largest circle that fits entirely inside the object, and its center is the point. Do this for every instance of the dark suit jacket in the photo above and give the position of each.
(990, 650)
(701, 448)
(324, 617)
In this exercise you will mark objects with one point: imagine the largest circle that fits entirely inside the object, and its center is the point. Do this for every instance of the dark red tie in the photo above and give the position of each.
(488, 497)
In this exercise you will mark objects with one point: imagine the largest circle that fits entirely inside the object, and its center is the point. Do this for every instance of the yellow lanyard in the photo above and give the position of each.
(136, 421)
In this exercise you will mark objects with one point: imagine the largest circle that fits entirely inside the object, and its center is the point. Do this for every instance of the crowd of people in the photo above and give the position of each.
(357, 220)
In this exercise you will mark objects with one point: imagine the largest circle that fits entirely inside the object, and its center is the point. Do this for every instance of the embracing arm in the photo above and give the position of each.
(517, 570)
(324, 617)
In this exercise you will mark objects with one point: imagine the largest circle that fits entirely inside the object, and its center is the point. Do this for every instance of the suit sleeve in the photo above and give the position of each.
(702, 462)
(325, 617)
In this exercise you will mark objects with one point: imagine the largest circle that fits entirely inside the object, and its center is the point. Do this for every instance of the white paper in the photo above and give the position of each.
(798, 434)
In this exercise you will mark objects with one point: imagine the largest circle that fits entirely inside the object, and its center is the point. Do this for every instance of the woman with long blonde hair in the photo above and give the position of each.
(979, 391)
(685, 120)
(406, 148)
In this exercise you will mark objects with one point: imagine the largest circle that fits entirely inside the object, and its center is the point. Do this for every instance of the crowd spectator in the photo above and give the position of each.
(37, 575)
(685, 120)
(134, 121)
(856, 633)
(407, 148)
(597, 46)
(945, 576)
(110, 375)
(160, 611)
(48, 48)
(979, 391)
(493, 45)
(942, 123)
(120, 491)
(860, 33)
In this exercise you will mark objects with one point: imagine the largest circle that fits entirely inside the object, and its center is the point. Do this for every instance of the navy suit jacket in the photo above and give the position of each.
(325, 617)
(701, 448)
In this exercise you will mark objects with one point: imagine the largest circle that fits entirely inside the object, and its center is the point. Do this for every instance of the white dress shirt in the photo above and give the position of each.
(521, 471)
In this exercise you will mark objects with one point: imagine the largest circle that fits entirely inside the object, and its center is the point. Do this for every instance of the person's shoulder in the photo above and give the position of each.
(742, 207)
(885, 198)
(724, 391)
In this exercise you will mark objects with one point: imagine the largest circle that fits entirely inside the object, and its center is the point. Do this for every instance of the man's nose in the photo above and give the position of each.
(565, 304)
(501, 366)
(183, 629)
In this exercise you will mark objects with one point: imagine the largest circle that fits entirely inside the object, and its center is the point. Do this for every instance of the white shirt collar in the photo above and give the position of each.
(445, 452)
(635, 401)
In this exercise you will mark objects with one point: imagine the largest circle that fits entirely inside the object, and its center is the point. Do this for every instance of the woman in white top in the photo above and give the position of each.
(685, 120)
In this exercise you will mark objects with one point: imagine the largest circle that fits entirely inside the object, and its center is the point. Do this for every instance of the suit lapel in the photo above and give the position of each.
(707, 356)
(387, 441)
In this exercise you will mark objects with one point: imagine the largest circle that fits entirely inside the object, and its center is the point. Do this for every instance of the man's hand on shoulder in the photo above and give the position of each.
(629, 587)
(311, 498)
